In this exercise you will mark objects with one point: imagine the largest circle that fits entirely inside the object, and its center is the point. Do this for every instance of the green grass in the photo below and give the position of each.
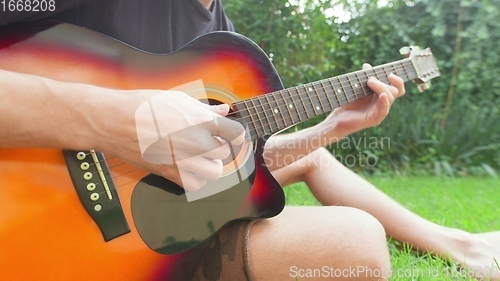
(469, 203)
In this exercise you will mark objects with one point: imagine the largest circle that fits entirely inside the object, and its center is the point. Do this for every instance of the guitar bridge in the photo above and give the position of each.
(96, 191)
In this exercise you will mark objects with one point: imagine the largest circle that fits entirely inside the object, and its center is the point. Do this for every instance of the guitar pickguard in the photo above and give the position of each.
(170, 221)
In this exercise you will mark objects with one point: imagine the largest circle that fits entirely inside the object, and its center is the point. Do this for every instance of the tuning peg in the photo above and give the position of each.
(424, 86)
(405, 51)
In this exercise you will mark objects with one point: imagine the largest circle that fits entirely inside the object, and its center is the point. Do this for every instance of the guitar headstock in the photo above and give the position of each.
(424, 63)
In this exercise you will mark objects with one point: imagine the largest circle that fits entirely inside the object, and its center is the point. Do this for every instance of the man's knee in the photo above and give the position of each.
(354, 245)
(348, 241)
(358, 246)
(369, 253)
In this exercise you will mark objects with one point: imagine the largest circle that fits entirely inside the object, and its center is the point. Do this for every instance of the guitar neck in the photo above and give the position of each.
(276, 111)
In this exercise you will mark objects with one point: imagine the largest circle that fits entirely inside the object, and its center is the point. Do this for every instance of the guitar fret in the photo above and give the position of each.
(352, 87)
(254, 116)
(345, 87)
(403, 73)
(301, 106)
(321, 104)
(331, 107)
(404, 68)
(340, 90)
(413, 71)
(263, 116)
(304, 106)
(386, 78)
(266, 111)
(251, 115)
(279, 110)
(370, 73)
(311, 108)
(245, 117)
(285, 110)
(361, 83)
(320, 96)
(260, 113)
(364, 86)
(376, 74)
(314, 106)
(387, 71)
(272, 108)
(291, 105)
(334, 93)
(394, 70)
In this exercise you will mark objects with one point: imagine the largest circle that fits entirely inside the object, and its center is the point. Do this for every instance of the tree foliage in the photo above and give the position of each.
(311, 39)
(314, 39)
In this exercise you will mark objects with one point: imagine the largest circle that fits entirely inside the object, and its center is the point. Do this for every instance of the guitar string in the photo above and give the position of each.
(329, 85)
(303, 102)
(344, 99)
(115, 176)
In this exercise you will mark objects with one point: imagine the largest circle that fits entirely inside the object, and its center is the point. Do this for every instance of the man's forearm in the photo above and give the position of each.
(361, 114)
(283, 150)
(39, 112)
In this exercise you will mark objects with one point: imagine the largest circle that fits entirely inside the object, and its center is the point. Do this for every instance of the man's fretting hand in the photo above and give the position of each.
(368, 111)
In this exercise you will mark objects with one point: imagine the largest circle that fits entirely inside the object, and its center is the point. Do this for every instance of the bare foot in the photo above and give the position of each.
(480, 254)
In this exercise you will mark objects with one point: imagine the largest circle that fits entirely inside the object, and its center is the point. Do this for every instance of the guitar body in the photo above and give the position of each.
(45, 232)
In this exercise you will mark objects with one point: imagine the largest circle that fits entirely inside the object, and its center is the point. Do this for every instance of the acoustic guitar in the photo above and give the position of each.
(78, 215)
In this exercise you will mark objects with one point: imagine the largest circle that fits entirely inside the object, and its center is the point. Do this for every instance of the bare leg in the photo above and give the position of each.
(300, 244)
(334, 184)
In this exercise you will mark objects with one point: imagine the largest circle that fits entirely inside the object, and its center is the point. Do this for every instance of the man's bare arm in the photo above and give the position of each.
(45, 113)
(282, 150)
(39, 112)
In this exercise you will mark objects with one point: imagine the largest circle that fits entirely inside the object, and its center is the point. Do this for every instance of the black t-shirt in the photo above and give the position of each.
(157, 26)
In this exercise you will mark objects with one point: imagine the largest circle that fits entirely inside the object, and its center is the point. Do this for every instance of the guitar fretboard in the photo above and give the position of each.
(276, 111)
